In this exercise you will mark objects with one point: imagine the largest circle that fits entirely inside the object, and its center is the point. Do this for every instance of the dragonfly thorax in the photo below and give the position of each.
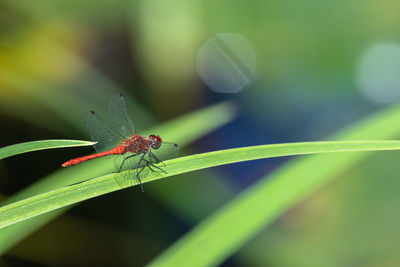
(137, 144)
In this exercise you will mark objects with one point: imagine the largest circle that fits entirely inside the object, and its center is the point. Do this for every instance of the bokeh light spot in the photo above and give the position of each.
(227, 63)
(378, 74)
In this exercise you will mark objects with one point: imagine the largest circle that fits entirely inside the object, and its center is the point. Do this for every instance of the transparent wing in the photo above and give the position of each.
(166, 151)
(119, 117)
(131, 177)
(101, 133)
(132, 161)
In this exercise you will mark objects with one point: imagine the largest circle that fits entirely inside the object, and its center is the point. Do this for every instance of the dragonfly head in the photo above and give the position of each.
(155, 141)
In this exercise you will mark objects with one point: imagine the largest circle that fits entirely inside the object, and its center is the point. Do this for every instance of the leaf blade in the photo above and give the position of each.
(52, 200)
(21, 148)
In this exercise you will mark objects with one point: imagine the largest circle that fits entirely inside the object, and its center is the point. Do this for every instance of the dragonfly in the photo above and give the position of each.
(118, 138)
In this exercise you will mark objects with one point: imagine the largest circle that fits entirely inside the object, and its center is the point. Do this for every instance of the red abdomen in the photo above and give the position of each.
(115, 151)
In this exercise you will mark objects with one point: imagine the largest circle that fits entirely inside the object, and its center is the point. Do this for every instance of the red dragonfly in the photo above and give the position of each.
(119, 138)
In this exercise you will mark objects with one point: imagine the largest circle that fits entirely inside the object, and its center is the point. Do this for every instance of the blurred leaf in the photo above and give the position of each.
(15, 233)
(107, 13)
(360, 206)
(49, 201)
(188, 128)
(16, 149)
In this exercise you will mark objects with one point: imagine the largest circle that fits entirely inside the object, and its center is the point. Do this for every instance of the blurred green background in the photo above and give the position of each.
(317, 67)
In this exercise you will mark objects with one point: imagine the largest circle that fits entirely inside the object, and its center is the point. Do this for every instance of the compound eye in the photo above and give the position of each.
(155, 141)
(156, 145)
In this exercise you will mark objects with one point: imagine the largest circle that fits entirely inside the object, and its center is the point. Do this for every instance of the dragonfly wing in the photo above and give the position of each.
(101, 133)
(119, 117)
(166, 151)
(131, 177)
(130, 161)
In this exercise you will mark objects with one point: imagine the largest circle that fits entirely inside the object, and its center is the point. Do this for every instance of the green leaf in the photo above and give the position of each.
(49, 201)
(16, 149)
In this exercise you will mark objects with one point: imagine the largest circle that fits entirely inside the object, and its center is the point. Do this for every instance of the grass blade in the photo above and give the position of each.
(16, 149)
(49, 201)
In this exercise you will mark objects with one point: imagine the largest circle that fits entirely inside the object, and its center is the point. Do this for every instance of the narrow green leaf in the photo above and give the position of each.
(49, 201)
(16, 149)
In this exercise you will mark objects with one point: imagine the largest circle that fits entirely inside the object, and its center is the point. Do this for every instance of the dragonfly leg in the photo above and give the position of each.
(138, 164)
(154, 156)
(122, 164)
(138, 172)
(152, 164)
(160, 170)
(138, 177)
(148, 164)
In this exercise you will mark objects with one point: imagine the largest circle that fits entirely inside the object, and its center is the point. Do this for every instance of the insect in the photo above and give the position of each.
(119, 138)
